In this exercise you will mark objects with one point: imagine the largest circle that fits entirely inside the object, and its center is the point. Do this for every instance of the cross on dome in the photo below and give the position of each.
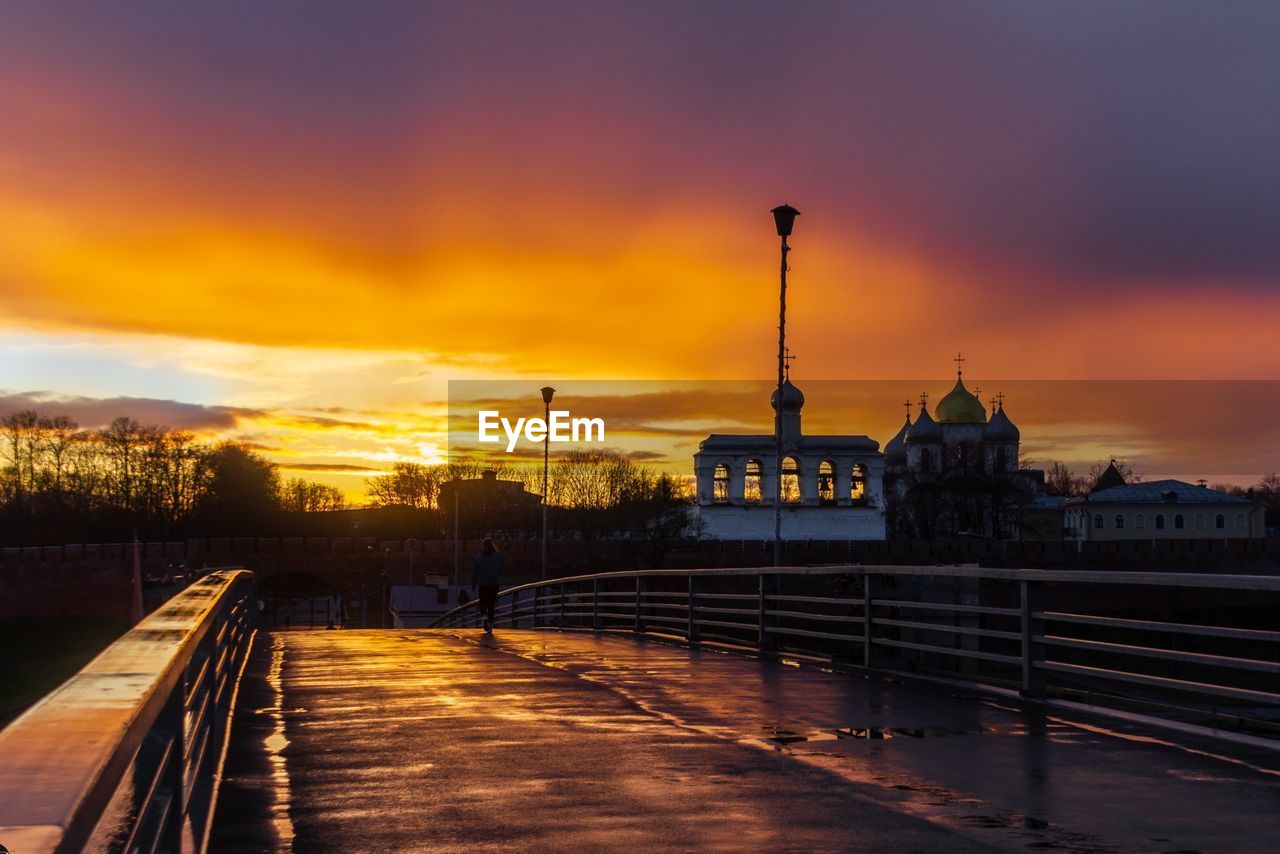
(787, 359)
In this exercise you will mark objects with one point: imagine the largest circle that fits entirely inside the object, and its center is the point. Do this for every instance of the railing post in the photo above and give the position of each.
(639, 624)
(1032, 604)
(768, 585)
(562, 624)
(534, 618)
(692, 631)
(867, 603)
(595, 604)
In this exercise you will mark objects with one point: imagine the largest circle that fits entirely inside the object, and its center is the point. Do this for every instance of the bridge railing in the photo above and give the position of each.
(1189, 643)
(126, 755)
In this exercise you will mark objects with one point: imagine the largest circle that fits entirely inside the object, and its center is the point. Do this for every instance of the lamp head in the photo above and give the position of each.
(547, 393)
(784, 217)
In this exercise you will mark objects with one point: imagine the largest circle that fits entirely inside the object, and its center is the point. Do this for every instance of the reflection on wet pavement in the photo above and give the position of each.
(544, 740)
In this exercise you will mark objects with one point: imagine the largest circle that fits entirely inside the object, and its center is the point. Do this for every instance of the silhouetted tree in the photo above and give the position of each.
(243, 491)
(408, 485)
(303, 496)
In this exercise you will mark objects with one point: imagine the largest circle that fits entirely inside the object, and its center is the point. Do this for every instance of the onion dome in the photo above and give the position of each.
(961, 407)
(895, 452)
(1000, 428)
(925, 429)
(792, 397)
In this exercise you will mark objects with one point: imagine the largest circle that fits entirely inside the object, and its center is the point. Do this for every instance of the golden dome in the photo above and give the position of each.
(960, 407)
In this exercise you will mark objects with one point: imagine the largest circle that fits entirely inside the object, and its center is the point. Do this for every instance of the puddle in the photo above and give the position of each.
(779, 737)
(876, 733)
(277, 742)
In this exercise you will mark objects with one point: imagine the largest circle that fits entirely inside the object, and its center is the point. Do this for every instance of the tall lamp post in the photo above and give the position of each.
(547, 393)
(784, 217)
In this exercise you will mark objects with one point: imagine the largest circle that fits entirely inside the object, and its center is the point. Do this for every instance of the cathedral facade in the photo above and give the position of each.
(831, 486)
(955, 472)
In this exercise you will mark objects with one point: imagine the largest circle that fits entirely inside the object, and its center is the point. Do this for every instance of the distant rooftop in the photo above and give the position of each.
(726, 441)
(1162, 491)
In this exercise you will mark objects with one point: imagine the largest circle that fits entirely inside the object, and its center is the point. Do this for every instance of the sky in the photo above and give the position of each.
(294, 223)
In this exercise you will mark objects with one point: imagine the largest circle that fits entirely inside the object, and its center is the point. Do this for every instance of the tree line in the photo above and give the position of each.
(576, 480)
(63, 483)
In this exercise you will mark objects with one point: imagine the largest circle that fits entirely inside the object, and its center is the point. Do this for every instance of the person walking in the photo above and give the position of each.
(485, 574)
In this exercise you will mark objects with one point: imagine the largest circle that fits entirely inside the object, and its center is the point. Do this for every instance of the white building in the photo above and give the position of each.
(1161, 510)
(831, 485)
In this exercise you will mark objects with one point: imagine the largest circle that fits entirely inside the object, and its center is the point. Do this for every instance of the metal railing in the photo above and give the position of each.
(1116, 635)
(127, 754)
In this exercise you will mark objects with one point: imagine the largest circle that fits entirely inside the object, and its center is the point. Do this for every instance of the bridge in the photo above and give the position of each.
(805, 708)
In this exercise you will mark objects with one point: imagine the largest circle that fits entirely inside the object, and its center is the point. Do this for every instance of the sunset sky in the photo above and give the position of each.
(294, 223)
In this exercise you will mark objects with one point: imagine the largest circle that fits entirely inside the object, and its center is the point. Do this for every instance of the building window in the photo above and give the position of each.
(1141, 522)
(1199, 521)
(790, 481)
(826, 483)
(1239, 521)
(926, 460)
(751, 491)
(1097, 521)
(858, 484)
(720, 485)
(1178, 522)
(1119, 521)
(1220, 522)
(1159, 521)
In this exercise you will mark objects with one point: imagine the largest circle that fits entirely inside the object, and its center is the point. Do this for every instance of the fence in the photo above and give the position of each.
(126, 754)
(1102, 634)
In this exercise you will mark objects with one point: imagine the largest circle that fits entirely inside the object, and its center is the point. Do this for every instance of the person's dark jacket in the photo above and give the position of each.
(487, 570)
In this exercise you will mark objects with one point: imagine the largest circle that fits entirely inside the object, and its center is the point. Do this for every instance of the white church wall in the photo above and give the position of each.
(755, 522)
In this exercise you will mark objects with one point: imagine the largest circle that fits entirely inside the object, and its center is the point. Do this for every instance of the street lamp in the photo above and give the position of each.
(547, 393)
(784, 217)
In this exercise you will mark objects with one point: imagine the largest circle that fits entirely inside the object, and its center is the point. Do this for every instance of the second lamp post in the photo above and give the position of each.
(547, 393)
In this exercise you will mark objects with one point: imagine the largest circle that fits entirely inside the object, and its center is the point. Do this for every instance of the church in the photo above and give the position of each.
(831, 486)
(955, 471)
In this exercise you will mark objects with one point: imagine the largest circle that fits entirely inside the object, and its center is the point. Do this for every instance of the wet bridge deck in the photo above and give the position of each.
(401, 740)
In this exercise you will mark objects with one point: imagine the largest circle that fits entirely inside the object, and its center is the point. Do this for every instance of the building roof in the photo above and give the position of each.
(1164, 492)
(924, 430)
(806, 444)
(1000, 428)
(792, 397)
(960, 407)
(895, 451)
(1111, 477)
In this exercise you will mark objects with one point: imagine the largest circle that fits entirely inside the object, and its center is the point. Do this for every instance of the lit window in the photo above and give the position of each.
(720, 485)
(858, 483)
(751, 483)
(826, 482)
(790, 481)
